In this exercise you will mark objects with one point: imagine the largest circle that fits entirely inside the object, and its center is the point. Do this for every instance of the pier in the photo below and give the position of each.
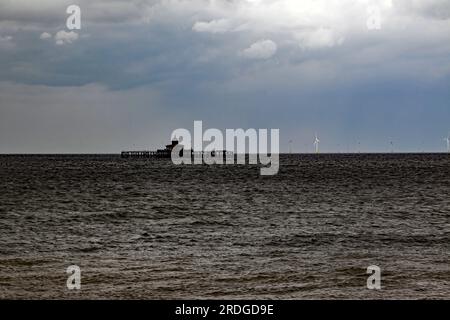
(145, 154)
(167, 153)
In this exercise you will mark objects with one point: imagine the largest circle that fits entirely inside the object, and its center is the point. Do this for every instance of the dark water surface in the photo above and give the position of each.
(148, 229)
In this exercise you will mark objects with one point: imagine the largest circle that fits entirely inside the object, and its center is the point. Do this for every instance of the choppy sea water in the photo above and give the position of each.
(150, 230)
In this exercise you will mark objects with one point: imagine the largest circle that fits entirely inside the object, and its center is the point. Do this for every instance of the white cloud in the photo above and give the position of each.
(45, 36)
(263, 49)
(320, 38)
(214, 26)
(63, 37)
(6, 38)
(6, 42)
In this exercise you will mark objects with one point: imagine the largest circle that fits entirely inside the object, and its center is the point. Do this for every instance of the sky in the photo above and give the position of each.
(359, 73)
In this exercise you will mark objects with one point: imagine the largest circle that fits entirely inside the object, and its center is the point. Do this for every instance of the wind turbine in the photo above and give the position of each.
(290, 146)
(316, 143)
(448, 142)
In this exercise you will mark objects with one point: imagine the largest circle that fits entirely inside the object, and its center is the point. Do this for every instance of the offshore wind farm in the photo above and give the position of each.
(356, 147)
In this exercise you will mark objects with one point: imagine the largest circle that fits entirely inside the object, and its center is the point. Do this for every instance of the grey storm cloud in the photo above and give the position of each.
(236, 63)
(149, 41)
(439, 9)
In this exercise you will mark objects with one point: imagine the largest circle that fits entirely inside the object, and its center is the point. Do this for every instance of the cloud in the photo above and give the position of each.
(6, 42)
(63, 37)
(194, 53)
(6, 38)
(320, 38)
(263, 49)
(437, 9)
(45, 36)
(168, 41)
(214, 26)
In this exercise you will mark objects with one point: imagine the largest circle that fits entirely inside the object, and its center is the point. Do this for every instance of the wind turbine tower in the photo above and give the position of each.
(316, 143)
(448, 142)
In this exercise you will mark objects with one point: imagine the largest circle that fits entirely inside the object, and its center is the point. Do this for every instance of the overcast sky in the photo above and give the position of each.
(139, 69)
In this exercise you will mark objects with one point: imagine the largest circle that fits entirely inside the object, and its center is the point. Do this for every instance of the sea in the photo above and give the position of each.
(147, 229)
